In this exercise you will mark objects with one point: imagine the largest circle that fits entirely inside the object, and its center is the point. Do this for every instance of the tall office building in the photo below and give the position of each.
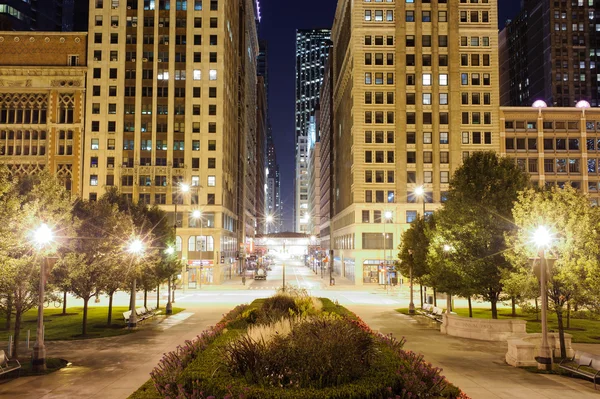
(549, 52)
(42, 102)
(43, 15)
(273, 195)
(327, 155)
(171, 99)
(415, 91)
(312, 48)
(314, 175)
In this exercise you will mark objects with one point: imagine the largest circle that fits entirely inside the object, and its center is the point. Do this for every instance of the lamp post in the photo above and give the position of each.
(42, 237)
(313, 239)
(136, 248)
(411, 305)
(542, 239)
(182, 189)
(197, 215)
(447, 248)
(420, 192)
(387, 216)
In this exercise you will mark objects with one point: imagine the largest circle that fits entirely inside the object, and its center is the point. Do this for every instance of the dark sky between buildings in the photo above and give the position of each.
(280, 19)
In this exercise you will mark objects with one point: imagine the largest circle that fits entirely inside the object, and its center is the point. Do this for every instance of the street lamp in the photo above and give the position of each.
(387, 216)
(420, 192)
(542, 239)
(447, 248)
(136, 248)
(313, 239)
(197, 215)
(41, 237)
(411, 305)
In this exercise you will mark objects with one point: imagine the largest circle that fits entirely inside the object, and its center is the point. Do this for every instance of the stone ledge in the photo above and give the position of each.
(522, 349)
(482, 329)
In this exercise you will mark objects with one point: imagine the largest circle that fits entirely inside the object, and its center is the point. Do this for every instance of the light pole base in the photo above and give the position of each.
(132, 324)
(411, 308)
(169, 308)
(544, 363)
(38, 359)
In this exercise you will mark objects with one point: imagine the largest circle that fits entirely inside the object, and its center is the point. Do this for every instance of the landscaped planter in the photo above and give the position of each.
(314, 354)
(482, 329)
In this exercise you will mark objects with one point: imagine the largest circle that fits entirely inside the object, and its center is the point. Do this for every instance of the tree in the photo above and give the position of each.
(102, 234)
(413, 251)
(446, 261)
(476, 216)
(573, 223)
(25, 203)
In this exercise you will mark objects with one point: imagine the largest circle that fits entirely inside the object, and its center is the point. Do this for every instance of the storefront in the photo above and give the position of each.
(199, 272)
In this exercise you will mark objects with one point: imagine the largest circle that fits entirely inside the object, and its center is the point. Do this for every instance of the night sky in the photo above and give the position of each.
(280, 19)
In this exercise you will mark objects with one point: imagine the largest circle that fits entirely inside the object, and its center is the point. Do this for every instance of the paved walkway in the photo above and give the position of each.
(115, 367)
(477, 367)
(112, 368)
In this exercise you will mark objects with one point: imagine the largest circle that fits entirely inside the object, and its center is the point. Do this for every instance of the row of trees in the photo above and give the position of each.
(90, 246)
(479, 244)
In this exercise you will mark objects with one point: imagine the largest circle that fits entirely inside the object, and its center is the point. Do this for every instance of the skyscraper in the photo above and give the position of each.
(312, 49)
(171, 116)
(549, 52)
(43, 15)
(415, 91)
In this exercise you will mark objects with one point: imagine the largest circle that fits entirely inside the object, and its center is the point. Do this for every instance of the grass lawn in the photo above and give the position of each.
(68, 327)
(583, 330)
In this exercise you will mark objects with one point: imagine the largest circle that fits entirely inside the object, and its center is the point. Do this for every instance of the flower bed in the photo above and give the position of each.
(309, 353)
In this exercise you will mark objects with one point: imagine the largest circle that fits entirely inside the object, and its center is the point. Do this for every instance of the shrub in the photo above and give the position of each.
(277, 307)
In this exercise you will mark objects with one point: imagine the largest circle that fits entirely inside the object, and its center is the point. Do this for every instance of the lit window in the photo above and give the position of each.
(212, 181)
(426, 79)
(197, 74)
(212, 74)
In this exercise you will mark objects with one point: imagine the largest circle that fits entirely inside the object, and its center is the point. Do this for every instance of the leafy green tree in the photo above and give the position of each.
(102, 234)
(476, 216)
(573, 223)
(413, 251)
(25, 203)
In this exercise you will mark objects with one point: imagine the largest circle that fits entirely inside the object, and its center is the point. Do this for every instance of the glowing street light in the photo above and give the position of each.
(170, 251)
(420, 192)
(136, 248)
(542, 238)
(41, 237)
(269, 218)
(184, 187)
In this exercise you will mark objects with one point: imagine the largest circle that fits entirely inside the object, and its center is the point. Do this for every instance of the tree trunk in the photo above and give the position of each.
(568, 315)
(513, 304)
(158, 296)
(470, 307)
(17, 332)
(494, 308)
(64, 303)
(145, 298)
(561, 331)
(85, 309)
(537, 310)
(9, 306)
(434, 297)
(110, 301)
(421, 294)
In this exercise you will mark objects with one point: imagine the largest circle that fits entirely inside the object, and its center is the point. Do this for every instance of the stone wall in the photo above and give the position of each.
(482, 329)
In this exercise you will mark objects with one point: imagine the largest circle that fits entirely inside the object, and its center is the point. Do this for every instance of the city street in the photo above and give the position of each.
(115, 367)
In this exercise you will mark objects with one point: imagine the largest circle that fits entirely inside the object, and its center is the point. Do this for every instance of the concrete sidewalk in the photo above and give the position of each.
(477, 367)
(112, 368)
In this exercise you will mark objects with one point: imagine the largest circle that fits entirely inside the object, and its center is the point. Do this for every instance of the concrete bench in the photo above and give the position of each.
(7, 365)
(583, 363)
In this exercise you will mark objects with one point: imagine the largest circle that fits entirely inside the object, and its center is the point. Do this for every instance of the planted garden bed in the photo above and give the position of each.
(293, 346)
